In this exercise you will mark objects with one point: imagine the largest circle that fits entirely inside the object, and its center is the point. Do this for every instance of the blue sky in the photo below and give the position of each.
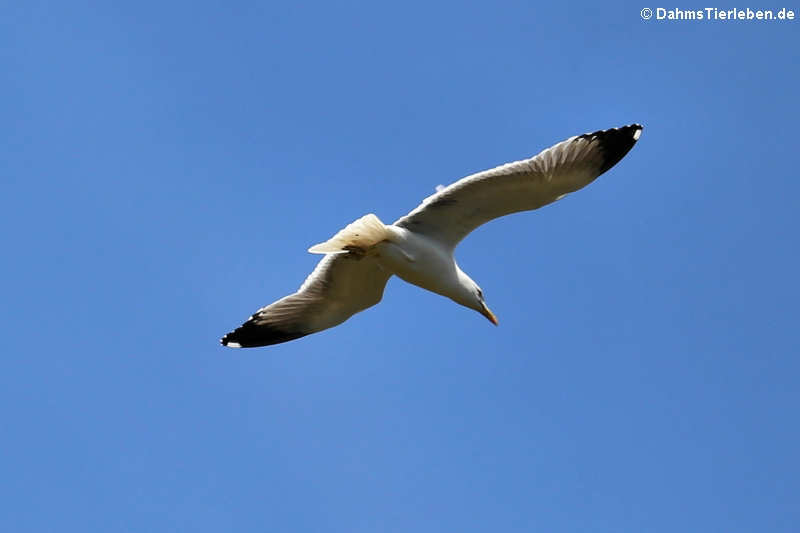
(165, 166)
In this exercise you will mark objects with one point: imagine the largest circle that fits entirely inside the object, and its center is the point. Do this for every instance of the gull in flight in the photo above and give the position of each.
(418, 248)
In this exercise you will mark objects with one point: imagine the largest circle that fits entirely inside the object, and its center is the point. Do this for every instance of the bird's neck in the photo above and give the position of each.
(463, 289)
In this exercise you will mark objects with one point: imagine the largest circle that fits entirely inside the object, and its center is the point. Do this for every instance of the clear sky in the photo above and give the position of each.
(165, 166)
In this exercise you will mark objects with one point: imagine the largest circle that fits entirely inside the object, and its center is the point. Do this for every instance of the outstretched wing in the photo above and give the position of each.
(452, 213)
(340, 286)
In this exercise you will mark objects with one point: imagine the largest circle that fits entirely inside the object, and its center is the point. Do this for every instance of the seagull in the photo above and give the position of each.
(419, 247)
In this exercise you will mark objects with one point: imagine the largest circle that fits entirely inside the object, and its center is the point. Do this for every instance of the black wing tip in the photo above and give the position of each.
(252, 334)
(615, 143)
(229, 340)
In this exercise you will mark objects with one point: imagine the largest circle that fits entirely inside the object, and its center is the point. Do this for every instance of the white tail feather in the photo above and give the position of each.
(365, 232)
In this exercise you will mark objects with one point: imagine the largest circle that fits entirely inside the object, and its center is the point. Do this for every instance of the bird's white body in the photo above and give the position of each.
(420, 260)
(419, 247)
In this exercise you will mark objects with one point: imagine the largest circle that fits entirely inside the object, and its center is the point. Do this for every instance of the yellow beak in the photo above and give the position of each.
(488, 314)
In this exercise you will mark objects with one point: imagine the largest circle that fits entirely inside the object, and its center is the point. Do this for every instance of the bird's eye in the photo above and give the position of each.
(480, 294)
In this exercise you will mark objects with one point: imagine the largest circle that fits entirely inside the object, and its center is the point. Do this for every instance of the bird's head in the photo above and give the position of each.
(470, 295)
(481, 306)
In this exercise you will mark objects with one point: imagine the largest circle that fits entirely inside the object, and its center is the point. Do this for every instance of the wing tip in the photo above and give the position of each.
(226, 340)
(253, 334)
(615, 143)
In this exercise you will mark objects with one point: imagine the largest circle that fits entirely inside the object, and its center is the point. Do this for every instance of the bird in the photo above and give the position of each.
(419, 247)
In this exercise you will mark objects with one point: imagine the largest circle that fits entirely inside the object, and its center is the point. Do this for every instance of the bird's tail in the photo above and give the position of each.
(365, 232)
